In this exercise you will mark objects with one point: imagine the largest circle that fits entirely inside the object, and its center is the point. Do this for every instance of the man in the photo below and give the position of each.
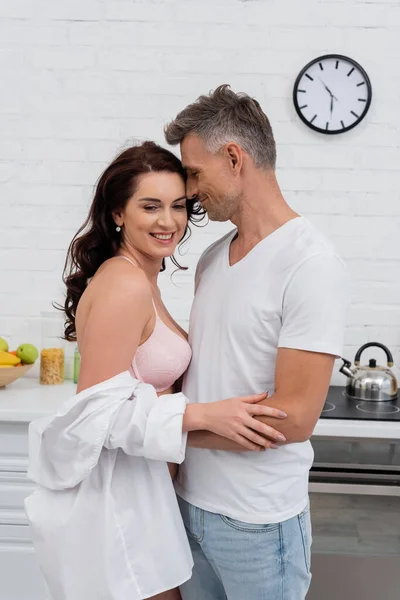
(268, 314)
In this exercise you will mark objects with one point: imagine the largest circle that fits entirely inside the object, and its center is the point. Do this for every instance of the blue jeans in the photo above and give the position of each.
(239, 561)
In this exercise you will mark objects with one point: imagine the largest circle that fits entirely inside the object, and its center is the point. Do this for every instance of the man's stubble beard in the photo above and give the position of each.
(223, 210)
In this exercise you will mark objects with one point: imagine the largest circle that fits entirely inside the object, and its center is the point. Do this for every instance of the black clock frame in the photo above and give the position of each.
(337, 57)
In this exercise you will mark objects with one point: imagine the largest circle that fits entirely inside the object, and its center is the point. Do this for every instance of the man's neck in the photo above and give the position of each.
(262, 210)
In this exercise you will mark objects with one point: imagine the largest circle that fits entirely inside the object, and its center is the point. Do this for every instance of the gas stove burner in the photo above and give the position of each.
(377, 408)
(328, 407)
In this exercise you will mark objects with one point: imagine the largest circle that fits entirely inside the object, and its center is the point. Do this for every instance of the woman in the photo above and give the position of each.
(114, 310)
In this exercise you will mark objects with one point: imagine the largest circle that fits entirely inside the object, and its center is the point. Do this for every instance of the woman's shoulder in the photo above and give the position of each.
(118, 284)
(121, 275)
(118, 289)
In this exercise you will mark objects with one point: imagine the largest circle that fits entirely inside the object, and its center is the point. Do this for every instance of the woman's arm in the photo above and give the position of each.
(117, 318)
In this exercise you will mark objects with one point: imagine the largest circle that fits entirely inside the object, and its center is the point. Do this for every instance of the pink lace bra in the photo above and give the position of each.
(163, 357)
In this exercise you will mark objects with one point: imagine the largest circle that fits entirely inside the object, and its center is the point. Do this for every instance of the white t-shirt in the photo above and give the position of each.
(291, 290)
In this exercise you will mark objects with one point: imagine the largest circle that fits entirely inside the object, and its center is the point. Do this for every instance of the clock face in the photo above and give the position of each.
(332, 94)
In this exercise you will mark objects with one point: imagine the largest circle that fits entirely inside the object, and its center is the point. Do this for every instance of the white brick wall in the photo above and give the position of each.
(79, 79)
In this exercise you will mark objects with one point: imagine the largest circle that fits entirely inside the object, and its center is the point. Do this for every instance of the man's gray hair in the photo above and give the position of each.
(224, 116)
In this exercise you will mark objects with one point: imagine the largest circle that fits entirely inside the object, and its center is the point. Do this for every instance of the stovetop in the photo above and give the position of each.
(340, 406)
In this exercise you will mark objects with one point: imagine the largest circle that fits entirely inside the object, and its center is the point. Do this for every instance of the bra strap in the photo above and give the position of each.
(128, 259)
(155, 308)
(135, 265)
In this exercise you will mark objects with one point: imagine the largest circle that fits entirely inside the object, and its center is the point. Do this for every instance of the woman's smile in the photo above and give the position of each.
(164, 238)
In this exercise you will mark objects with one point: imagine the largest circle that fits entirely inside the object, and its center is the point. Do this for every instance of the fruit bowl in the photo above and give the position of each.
(10, 374)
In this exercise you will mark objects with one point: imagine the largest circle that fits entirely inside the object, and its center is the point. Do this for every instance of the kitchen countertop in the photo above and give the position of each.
(25, 400)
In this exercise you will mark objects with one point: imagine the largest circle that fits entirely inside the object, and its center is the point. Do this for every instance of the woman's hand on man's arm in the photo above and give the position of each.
(214, 424)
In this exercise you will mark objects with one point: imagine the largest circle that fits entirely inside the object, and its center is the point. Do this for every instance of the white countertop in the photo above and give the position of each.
(384, 430)
(25, 400)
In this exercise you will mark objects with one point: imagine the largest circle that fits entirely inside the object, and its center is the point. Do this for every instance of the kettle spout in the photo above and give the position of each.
(345, 368)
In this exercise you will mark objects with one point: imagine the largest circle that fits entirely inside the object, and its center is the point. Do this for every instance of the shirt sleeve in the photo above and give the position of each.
(315, 306)
(150, 427)
(121, 412)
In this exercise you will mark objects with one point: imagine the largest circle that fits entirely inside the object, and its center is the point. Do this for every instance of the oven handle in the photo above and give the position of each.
(355, 489)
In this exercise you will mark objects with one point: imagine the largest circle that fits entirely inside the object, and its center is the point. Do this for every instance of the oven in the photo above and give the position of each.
(355, 503)
(356, 467)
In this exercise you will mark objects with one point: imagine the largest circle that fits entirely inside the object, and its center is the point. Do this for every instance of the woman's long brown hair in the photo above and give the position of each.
(97, 240)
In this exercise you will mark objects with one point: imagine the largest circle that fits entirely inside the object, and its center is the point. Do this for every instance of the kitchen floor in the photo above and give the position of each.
(357, 525)
(354, 578)
(356, 547)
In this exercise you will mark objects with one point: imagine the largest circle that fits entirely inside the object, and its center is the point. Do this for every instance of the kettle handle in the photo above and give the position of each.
(377, 345)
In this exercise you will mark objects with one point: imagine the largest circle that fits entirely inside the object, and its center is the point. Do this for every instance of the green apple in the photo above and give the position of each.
(27, 353)
(3, 345)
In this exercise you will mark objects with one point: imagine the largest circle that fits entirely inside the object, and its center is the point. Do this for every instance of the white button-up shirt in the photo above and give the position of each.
(105, 520)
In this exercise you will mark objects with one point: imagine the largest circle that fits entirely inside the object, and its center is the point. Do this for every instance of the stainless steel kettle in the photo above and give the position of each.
(370, 382)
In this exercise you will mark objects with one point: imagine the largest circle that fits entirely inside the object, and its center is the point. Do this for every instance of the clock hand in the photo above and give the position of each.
(332, 104)
(327, 89)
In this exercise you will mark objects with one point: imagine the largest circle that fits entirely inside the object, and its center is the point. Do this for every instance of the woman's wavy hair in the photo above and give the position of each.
(97, 240)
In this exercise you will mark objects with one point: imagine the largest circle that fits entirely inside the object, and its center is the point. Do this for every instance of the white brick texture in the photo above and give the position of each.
(81, 79)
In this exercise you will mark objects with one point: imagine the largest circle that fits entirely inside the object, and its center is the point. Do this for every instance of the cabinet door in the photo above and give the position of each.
(20, 576)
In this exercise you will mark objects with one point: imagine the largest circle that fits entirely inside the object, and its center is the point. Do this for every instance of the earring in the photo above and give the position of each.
(118, 228)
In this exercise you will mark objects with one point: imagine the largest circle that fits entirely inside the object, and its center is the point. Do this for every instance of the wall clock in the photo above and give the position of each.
(332, 94)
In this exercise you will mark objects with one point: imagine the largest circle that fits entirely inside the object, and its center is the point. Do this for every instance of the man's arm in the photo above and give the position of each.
(207, 439)
(314, 315)
(301, 385)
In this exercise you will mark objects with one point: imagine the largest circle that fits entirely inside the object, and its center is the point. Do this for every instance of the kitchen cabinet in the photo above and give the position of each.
(20, 403)
(19, 574)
